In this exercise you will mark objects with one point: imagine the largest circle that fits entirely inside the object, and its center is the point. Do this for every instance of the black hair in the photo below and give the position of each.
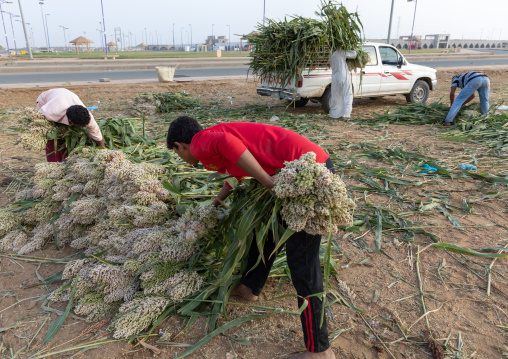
(78, 115)
(182, 130)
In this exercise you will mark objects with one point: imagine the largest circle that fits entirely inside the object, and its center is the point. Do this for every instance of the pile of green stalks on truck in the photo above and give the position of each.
(285, 49)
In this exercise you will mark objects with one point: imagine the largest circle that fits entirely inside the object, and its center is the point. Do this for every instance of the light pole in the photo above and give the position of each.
(5, 31)
(212, 37)
(181, 38)
(65, 38)
(412, 29)
(44, 25)
(390, 24)
(100, 35)
(229, 36)
(104, 23)
(146, 37)
(27, 35)
(11, 15)
(190, 36)
(47, 30)
(264, 8)
(174, 45)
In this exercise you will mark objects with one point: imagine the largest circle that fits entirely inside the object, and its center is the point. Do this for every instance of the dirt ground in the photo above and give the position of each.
(389, 288)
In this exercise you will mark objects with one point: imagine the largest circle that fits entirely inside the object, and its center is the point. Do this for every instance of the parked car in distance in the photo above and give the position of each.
(386, 73)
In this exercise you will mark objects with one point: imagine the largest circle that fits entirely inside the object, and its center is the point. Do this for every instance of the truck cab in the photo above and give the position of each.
(386, 73)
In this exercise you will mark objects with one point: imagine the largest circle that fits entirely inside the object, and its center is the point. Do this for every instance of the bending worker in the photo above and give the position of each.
(63, 106)
(469, 82)
(251, 149)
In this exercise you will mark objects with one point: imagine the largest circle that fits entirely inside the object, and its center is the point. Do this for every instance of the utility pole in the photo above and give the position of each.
(174, 45)
(213, 40)
(390, 24)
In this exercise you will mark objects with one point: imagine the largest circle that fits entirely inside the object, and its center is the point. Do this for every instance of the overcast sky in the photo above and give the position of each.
(468, 19)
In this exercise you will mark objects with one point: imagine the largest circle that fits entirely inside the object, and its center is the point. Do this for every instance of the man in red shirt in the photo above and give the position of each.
(242, 149)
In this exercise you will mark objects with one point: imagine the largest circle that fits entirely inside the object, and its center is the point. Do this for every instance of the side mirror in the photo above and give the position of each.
(400, 62)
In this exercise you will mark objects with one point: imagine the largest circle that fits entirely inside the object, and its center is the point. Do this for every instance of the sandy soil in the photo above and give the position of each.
(385, 286)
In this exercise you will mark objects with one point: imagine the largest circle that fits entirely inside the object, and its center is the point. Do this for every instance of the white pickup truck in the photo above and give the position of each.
(387, 73)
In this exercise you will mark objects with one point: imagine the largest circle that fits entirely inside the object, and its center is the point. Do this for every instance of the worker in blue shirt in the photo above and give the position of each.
(469, 82)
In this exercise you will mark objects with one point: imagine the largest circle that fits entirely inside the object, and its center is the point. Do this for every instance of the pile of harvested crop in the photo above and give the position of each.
(163, 102)
(135, 261)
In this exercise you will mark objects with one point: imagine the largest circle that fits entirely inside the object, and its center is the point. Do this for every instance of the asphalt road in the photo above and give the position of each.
(94, 76)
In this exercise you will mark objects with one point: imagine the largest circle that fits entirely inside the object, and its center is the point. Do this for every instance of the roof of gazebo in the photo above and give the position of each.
(81, 41)
(142, 45)
(111, 43)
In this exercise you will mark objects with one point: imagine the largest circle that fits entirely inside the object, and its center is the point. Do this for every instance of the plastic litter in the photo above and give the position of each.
(91, 108)
(428, 169)
(468, 167)
(503, 108)
(274, 118)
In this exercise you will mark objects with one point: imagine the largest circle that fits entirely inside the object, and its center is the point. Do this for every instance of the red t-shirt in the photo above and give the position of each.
(219, 147)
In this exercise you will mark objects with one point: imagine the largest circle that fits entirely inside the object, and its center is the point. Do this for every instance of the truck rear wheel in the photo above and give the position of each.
(419, 93)
(299, 103)
(325, 99)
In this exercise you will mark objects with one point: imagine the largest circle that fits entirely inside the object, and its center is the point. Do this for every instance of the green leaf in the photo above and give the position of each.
(53, 329)
(464, 250)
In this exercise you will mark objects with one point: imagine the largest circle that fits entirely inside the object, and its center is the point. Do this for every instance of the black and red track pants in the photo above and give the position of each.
(302, 252)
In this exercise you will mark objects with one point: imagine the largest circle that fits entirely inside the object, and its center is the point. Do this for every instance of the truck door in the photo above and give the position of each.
(394, 79)
(369, 81)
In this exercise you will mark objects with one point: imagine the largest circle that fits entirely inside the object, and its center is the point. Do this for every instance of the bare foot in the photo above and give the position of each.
(327, 354)
(241, 290)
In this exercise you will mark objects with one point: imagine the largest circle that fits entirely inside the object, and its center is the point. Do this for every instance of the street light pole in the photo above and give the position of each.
(213, 42)
(412, 29)
(181, 38)
(65, 39)
(190, 36)
(44, 25)
(229, 36)
(47, 29)
(5, 31)
(264, 9)
(390, 24)
(28, 48)
(174, 45)
(11, 15)
(105, 36)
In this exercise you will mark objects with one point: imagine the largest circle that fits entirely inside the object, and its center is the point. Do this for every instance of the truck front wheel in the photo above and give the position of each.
(299, 103)
(325, 99)
(419, 93)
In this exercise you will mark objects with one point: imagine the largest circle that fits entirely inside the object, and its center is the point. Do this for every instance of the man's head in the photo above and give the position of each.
(78, 115)
(180, 134)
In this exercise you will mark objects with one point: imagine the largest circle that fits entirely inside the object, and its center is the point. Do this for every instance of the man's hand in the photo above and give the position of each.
(101, 143)
(452, 94)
